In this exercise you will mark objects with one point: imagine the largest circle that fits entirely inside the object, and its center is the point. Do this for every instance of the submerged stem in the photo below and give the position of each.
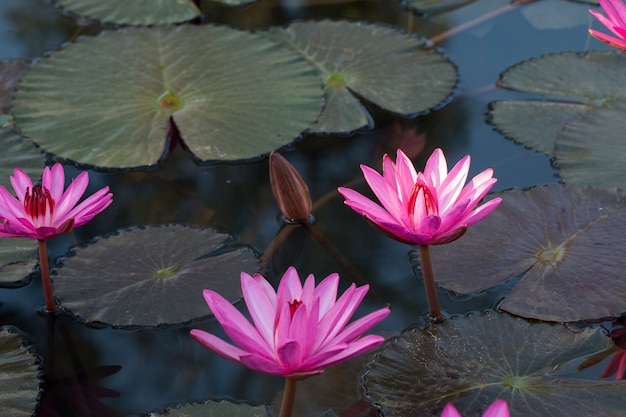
(430, 286)
(289, 397)
(45, 277)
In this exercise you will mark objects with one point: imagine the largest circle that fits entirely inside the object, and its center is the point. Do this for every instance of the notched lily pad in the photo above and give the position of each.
(473, 361)
(151, 276)
(135, 12)
(216, 409)
(578, 118)
(564, 243)
(19, 377)
(380, 64)
(107, 100)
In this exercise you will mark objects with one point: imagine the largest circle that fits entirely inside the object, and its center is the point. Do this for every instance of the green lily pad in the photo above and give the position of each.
(564, 243)
(475, 360)
(151, 276)
(19, 381)
(135, 12)
(578, 120)
(10, 74)
(216, 409)
(18, 257)
(380, 64)
(107, 100)
(435, 6)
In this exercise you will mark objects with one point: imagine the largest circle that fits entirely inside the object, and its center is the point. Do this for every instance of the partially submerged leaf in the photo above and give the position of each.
(135, 12)
(107, 100)
(380, 64)
(19, 377)
(473, 361)
(563, 242)
(578, 118)
(215, 409)
(151, 276)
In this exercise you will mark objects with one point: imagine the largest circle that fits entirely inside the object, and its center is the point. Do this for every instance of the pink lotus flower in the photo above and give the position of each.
(298, 331)
(497, 409)
(615, 21)
(429, 208)
(45, 211)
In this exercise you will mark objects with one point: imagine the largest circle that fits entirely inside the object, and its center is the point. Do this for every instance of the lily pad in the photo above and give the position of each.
(19, 377)
(18, 256)
(216, 409)
(107, 100)
(435, 6)
(378, 63)
(475, 360)
(579, 117)
(10, 74)
(564, 244)
(135, 12)
(151, 276)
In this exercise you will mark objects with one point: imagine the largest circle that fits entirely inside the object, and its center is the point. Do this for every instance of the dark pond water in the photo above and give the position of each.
(153, 368)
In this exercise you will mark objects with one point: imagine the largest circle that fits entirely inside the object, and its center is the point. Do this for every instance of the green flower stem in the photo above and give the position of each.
(45, 277)
(289, 397)
(430, 286)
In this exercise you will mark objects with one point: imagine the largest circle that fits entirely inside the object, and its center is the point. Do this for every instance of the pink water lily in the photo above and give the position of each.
(497, 409)
(298, 330)
(44, 211)
(615, 21)
(423, 208)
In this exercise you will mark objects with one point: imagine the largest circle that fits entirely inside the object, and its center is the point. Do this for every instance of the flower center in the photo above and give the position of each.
(422, 195)
(293, 306)
(38, 202)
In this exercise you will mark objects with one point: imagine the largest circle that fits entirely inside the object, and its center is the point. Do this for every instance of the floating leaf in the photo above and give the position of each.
(435, 6)
(151, 276)
(216, 409)
(18, 153)
(378, 63)
(135, 12)
(10, 74)
(19, 377)
(475, 360)
(564, 242)
(107, 100)
(17, 256)
(579, 118)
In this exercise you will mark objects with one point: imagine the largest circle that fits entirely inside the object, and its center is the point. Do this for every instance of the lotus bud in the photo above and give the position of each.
(289, 189)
